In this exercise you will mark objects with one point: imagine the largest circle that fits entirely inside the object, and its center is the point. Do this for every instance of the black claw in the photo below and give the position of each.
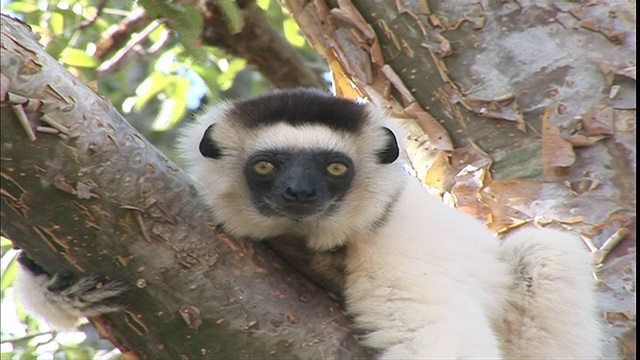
(89, 283)
(101, 300)
(116, 302)
(119, 283)
(96, 277)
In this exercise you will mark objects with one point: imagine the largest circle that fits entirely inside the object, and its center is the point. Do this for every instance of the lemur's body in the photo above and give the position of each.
(412, 290)
(422, 279)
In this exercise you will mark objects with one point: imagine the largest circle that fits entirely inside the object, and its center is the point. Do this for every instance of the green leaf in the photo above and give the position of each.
(234, 14)
(292, 33)
(9, 273)
(78, 58)
(56, 46)
(151, 86)
(157, 33)
(171, 111)
(225, 80)
(56, 21)
(4, 242)
(185, 20)
(181, 88)
(20, 7)
(263, 4)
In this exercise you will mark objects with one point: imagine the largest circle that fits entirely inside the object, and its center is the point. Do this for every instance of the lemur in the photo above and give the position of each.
(60, 299)
(422, 280)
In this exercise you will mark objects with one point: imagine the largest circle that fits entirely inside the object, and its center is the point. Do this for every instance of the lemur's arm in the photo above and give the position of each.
(61, 301)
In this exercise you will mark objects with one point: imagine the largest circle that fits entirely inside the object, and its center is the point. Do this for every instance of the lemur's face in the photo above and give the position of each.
(298, 184)
(294, 162)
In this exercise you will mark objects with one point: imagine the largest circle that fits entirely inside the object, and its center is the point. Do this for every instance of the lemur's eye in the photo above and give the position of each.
(337, 169)
(263, 168)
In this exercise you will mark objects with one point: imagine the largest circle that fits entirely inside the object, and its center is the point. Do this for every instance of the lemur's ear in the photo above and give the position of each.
(208, 147)
(391, 151)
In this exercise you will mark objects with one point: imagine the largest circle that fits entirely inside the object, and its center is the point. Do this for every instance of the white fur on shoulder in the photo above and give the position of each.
(428, 283)
(551, 303)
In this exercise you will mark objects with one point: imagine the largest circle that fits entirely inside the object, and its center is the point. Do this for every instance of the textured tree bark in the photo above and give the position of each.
(528, 110)
(82, 190)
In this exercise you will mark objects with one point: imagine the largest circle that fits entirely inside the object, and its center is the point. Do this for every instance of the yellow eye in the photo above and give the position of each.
(263, 168)
(337, 169)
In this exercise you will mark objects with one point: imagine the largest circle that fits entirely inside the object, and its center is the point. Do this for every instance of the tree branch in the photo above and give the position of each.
(260, 45)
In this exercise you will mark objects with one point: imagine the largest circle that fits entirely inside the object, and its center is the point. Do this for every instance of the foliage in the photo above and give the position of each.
(158, 69)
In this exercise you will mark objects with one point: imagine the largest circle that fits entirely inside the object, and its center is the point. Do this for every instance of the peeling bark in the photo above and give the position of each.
(526, 107)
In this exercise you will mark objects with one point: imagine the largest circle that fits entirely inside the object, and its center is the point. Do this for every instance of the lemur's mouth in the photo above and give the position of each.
(292, 210)
(301, 210)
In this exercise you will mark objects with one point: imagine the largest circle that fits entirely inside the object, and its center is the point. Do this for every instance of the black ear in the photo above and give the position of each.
(208, 147)
(391, 151)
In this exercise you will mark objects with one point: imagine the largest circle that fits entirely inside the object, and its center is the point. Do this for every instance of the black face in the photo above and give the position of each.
(298, 185)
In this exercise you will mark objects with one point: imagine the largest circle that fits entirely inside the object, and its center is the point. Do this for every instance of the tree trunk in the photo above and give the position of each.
(82, 190)
(528, 110)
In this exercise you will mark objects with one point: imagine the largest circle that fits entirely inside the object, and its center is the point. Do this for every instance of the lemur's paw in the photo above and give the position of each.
(91, 295)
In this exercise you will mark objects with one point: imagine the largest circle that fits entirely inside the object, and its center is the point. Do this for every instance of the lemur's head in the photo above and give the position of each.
(297, 161)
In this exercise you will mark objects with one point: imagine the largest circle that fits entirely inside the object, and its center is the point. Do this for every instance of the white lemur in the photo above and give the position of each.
(422, 279)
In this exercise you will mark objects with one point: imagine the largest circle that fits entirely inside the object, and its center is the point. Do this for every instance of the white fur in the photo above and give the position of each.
(551, 303)
(31, 292)
(430, 282)
(434, 283)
